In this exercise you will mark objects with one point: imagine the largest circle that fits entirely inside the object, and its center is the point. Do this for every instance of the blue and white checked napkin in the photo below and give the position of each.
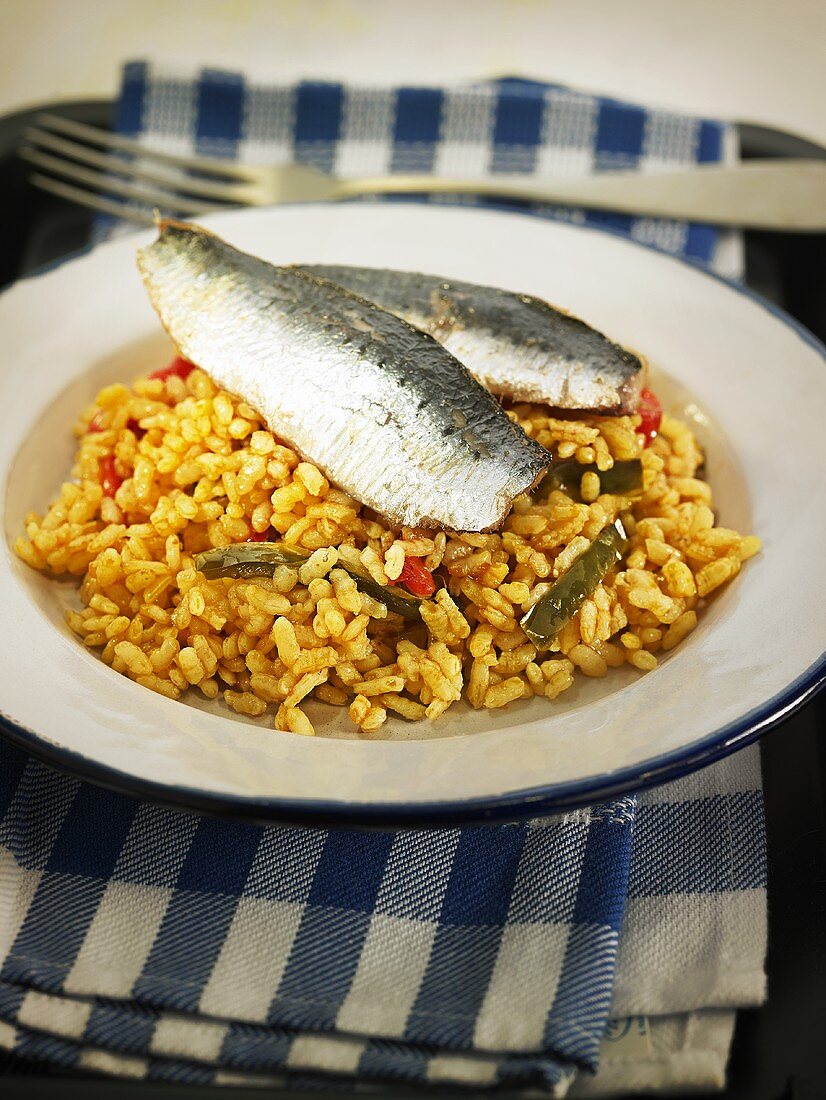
(473, 131)
(150, 943)
(143, 942)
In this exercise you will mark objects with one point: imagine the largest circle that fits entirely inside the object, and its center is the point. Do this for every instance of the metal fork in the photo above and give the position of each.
(86, 165)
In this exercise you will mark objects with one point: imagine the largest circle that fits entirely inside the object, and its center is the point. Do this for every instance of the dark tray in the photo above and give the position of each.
(776, 1053)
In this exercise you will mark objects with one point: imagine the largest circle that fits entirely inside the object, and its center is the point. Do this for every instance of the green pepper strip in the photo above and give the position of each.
(624, 478)
(549, 614)
(245, 560)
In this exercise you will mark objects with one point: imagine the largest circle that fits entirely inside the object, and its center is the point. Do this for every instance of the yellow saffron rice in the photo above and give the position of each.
(199, 470)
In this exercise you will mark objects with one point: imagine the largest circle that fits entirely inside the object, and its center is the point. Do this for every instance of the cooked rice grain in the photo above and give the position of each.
(201, 471)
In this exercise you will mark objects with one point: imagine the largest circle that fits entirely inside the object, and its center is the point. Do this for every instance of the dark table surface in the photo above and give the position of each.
(777, 1052)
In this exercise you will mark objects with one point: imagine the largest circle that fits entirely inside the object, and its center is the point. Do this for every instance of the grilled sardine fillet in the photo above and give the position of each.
(516, 345)
(386, 411)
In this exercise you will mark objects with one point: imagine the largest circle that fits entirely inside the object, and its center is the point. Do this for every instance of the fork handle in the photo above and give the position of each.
(787, 195)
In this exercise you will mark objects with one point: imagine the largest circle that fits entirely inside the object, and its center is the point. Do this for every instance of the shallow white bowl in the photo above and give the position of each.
(751, 380)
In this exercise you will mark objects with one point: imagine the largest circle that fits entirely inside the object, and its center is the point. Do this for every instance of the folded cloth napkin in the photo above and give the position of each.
(144, 942)
(470, 131)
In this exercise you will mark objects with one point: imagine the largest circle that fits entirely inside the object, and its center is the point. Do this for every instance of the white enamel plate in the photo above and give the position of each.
(752, 382)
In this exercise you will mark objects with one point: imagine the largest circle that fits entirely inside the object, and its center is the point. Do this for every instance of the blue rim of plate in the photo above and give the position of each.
(549, 798)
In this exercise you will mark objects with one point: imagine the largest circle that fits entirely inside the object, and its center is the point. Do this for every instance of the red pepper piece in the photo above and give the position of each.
(651, 412)
(110, 479)
(135, 427)
(179, 368)
(96, 423)
(259, 536)
(416, 578)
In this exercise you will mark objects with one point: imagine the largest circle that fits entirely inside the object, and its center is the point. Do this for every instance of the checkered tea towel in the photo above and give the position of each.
(471, 131)
(146, 942)
(143, 942)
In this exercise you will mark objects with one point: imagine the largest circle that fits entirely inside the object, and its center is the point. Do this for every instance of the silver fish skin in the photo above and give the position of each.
(517, 345)
(386, 411)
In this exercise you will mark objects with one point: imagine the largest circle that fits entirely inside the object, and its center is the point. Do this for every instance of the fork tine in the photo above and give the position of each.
(153, 196)
(105, 140)
(228, 192)
(93, 202)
